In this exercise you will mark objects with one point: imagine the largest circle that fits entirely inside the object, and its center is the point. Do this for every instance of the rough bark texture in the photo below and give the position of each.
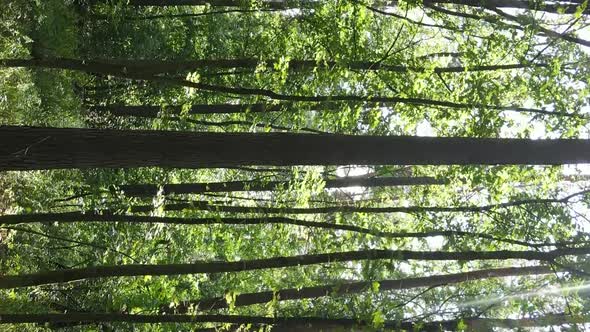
(66, 275)
(354, 287)
(31, 148)
(230, 186)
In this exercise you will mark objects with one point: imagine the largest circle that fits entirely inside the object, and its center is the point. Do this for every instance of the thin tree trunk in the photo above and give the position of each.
(32, 148)
(143, 190)
(186, 15)
(105, 216)
(271, 4)
(153, 111)
(204, 205)
(354, 288)
(520, 24)
(107, 68)
(284, 324)
(153, 67)
(547, 32)
(66, 275)
(566, 7)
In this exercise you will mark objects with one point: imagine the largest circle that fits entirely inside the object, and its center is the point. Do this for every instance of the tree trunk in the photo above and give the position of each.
(559, 7)
(154, 67)
(131, 72)
(214, 206)
(66, 275)
(353, 288)
(106, 216)
(143, 190)
(153, 111)
(34, 148)
(566, 7)
(272, 4)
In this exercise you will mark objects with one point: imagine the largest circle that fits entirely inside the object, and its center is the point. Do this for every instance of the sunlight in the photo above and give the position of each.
(550, 291)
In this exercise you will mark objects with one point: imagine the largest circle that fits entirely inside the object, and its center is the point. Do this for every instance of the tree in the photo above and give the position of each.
(28, 148)
(216, 206)
(143, 73)
(137, 86)
(152, 67)
(66, 275)
(109, 217)
(561, 7)
(195, 188)
(152, 111)
(351, 288)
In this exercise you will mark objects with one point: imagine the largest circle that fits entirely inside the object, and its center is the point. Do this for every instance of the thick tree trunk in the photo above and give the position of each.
(144, 190)
(33, 148)
(353, 288)
(66, 275)
(292, 324)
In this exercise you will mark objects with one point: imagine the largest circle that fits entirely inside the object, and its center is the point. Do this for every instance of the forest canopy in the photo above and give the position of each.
(294, 165)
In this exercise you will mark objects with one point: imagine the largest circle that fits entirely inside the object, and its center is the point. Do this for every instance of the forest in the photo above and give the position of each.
(294, 165)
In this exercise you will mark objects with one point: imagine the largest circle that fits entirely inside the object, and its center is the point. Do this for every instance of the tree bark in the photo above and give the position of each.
(213, 206)
(67, 275)
(353, 288)
(144, 190)
(33, 148)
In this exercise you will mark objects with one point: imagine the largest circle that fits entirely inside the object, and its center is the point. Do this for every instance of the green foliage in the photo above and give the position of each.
(333, 34)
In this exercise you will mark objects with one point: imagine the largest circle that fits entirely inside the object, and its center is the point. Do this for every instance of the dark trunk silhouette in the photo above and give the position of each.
(31, 148)
(195, 188)
(66, 275)
(154, 67)
(104, 67)
(353, 288)
(107, 216)
(219, 207)
(153, 111)
(273, 4)
(566, 7)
